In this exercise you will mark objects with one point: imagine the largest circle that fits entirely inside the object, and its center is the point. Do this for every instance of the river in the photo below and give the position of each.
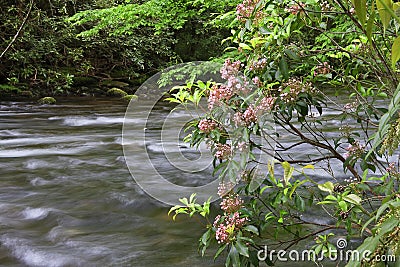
(68, 199)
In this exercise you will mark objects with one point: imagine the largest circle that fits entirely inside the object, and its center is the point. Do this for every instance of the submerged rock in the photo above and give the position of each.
(48, 100)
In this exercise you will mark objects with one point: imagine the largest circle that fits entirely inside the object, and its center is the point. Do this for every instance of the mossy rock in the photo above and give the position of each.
(116, 92)
(128, 98)
(48, 100)
(112, 83)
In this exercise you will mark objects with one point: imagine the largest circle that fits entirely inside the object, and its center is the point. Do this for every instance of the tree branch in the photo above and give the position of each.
(19, 30)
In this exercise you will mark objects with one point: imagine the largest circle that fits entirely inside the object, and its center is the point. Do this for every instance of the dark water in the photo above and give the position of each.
(67, 198)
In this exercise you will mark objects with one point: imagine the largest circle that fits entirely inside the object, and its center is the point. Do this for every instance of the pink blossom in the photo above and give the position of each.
(223, 151)
(256, 80)
(266, 105)
(354, 150)
(249, 115)
(226, 230)
(231, 203)
(296, 8)
(246, 9)
(238, 119)
(207, 125)
(246, 118)
(224, 188)
(230, 68)
(222, 235)
(218, 94)
(392, 170)
(259, 64)
(290, 90)
(323, 69)
(236, 220)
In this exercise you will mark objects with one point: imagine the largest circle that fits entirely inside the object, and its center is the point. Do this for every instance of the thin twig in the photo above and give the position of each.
(19, 30)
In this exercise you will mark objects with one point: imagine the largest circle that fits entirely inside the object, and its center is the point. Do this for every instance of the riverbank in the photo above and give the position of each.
(80, 86)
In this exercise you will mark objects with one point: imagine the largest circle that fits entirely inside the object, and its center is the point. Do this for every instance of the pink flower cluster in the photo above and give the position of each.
(245, 118)
(354, 150)
(256, 80)
(207, 125)
(245, 10)
(323, 69)
(230, 69)
(231, 203)
(392, 170)
(230, 72)
(223, 151)
(350, 107)
(226, 229)
(296, 86)
(241, 146)
(325, 6)
(224, 188)
(296, 8)
(249, 115)
(259, 64)
(218, 94)
(266, 105)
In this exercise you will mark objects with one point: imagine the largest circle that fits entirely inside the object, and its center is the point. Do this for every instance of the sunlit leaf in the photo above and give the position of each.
(395, 51)
(384, 13)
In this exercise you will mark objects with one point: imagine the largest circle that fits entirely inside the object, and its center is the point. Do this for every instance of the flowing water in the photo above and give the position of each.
(68, 199)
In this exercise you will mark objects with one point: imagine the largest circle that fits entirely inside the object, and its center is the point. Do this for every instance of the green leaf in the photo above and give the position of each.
(283, 66)
(296, 186)
(367, 223)
(370, 244)
(326, 187)
(384, 121)
(395, 51)
(242, 249)
(384, 13)
(361, 10)
(370, 23)
(271, 171)
(252, 229)
(245, 46)
(205, 237)
(299, 202)
(234, 256)
(309, 166)
(343, 205)
(352, 198)
(288, 171)
(388, 226)
(292, 55)
(219, 251)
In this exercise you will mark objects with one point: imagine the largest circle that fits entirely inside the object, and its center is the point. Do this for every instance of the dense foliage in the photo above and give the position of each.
(87, 43)
(289, 57)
